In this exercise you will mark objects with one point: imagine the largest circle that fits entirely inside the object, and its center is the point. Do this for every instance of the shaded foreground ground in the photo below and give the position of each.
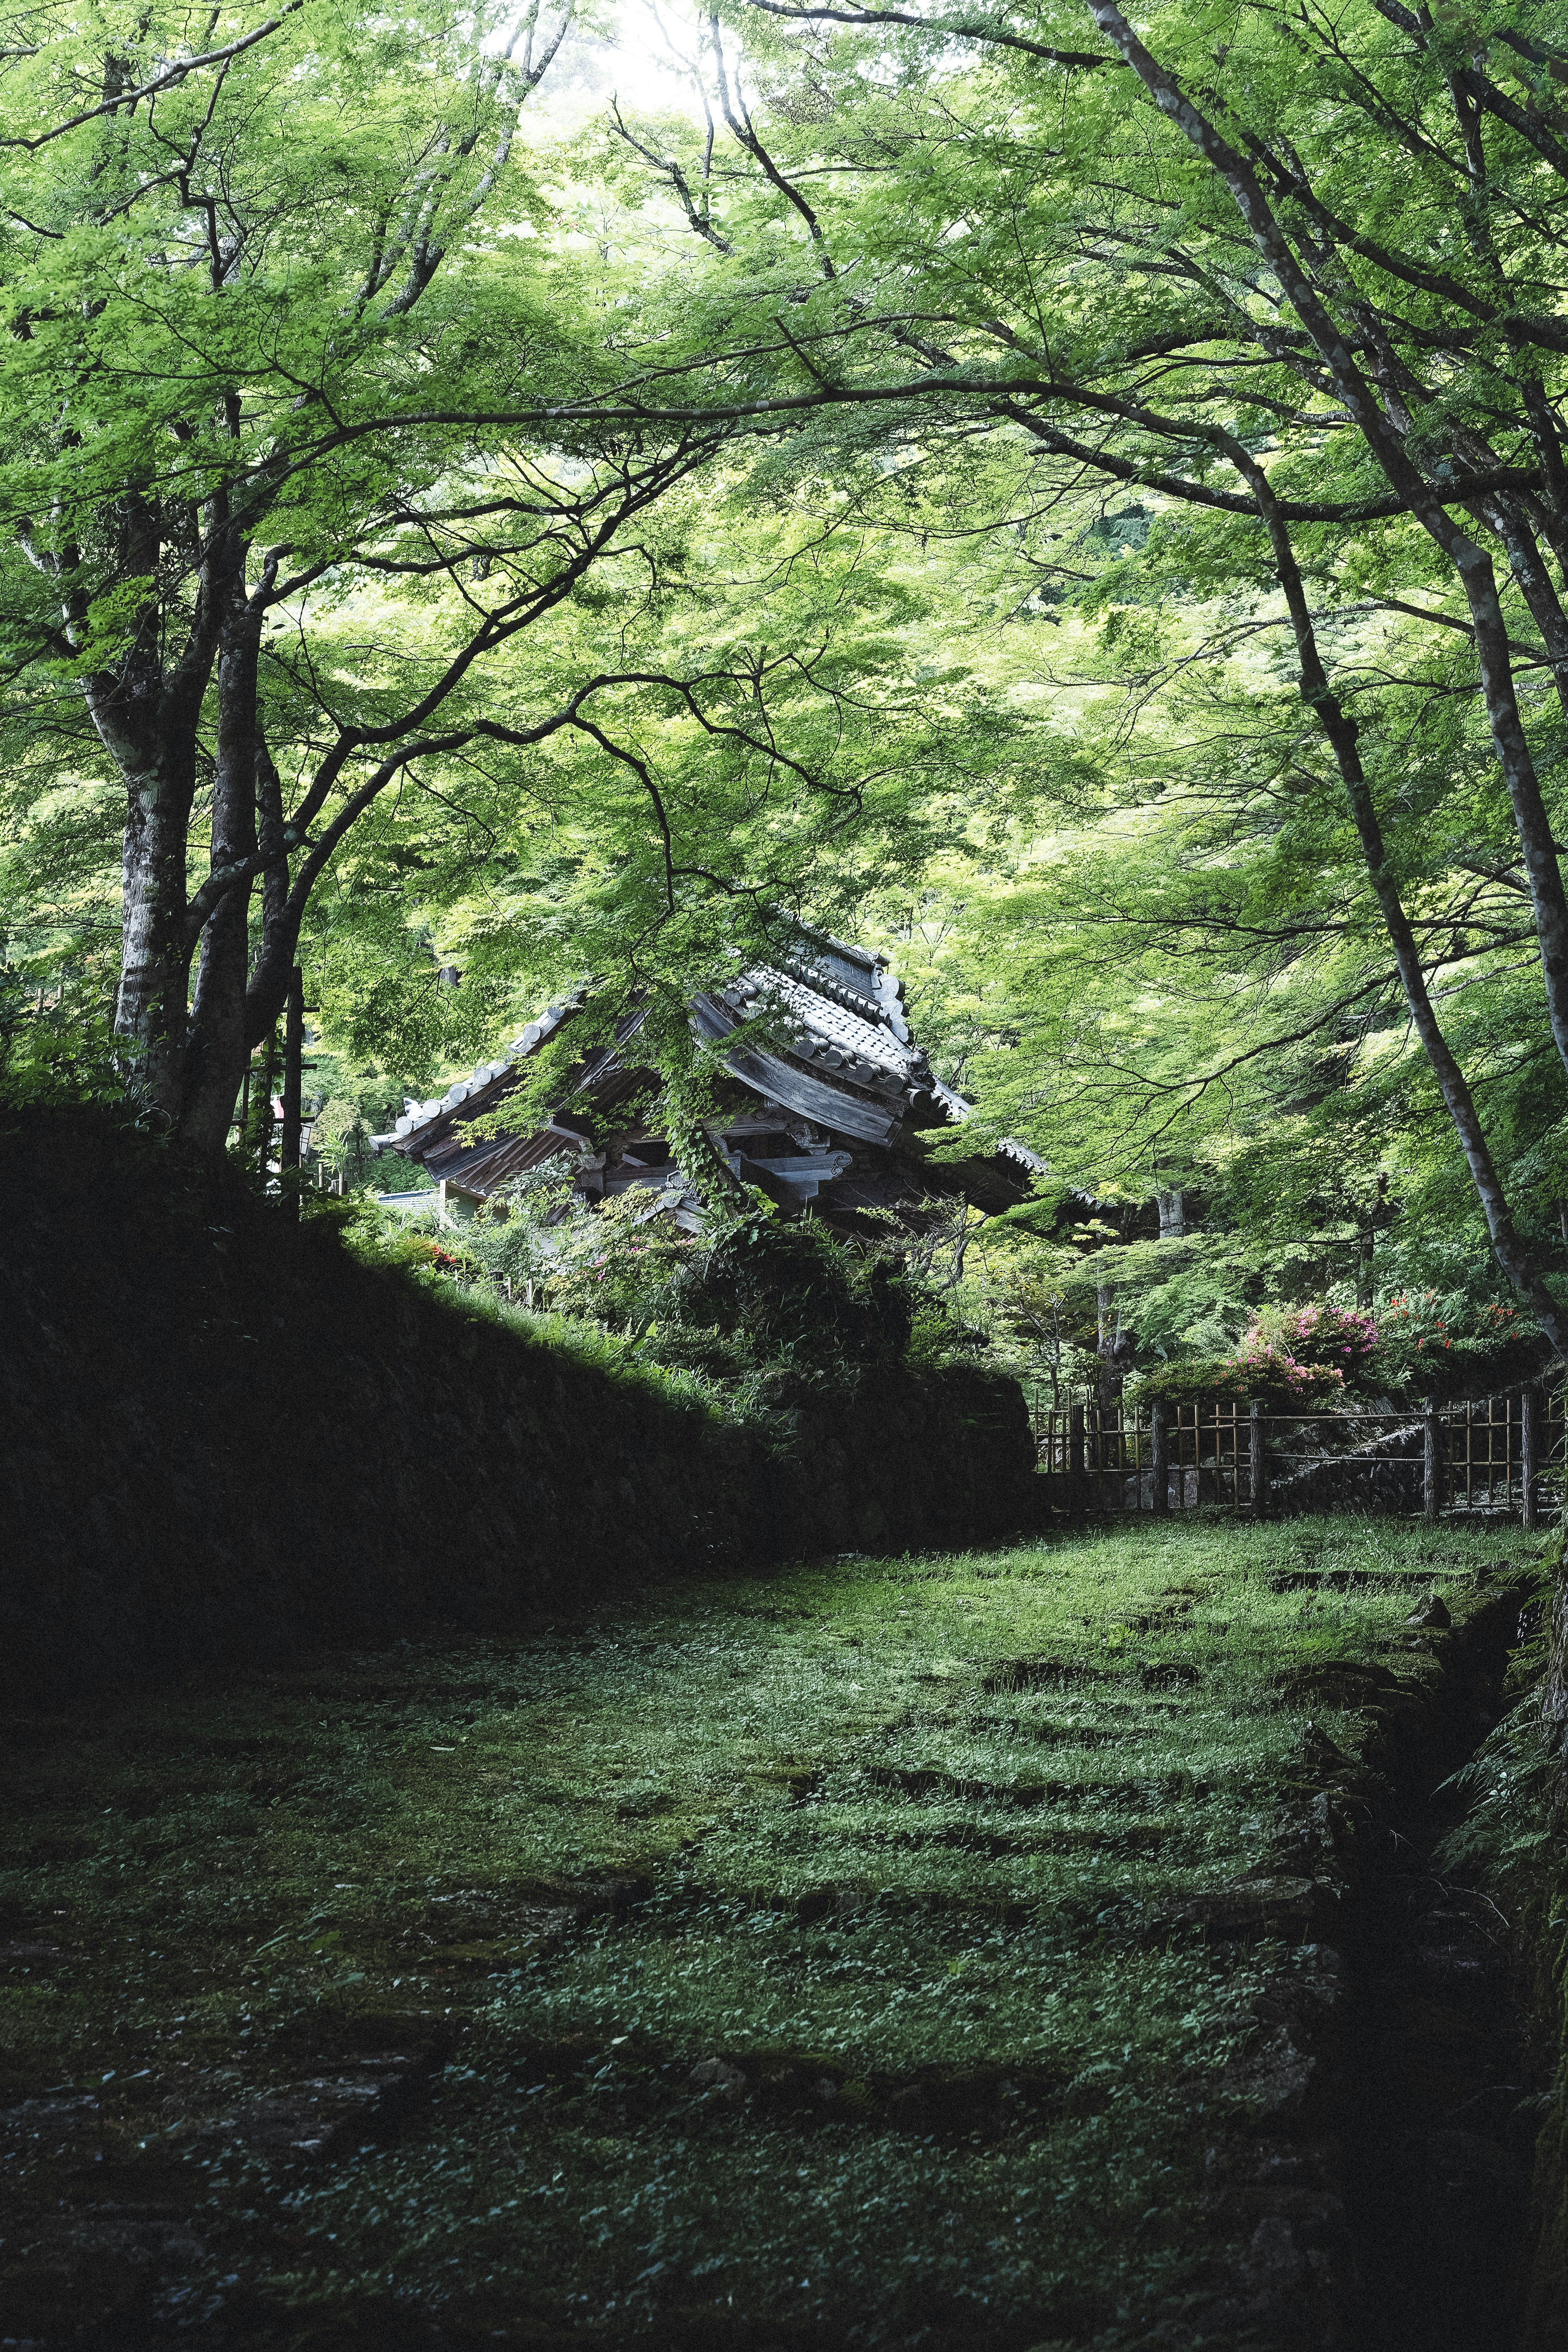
(838, 1959)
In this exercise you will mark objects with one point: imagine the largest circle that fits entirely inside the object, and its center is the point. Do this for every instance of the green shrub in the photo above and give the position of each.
(60, 1055)
(1263, 1378)
(790, 1291)
(713, 1355)
(1436, 1344)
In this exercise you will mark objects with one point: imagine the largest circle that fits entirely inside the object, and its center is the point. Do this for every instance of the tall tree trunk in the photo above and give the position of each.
(215, 1066)
(257, 1138)
(293, 1046)
(1517, 1261)
(150, 1013)
(146, 718)
(1472, 563)
(282, 908)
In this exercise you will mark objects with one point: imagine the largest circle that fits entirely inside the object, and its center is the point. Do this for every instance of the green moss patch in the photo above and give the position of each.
(821, 1960)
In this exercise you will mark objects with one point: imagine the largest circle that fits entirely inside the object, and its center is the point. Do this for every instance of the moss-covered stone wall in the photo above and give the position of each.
(228, 1440)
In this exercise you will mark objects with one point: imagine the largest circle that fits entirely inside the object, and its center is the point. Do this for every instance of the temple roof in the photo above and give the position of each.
(841, 1079)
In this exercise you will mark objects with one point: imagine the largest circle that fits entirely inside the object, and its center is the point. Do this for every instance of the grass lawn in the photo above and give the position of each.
(789, 1962)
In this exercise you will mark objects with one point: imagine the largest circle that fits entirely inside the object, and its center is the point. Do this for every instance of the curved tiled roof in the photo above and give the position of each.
(418, 1115)
(832, 1026)
(830, 1046)
(847, 1032)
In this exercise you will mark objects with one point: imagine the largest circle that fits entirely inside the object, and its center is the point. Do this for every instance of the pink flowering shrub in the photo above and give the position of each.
(1292, 1355)
(1269, 1377)
(1317, 1357)
(1339, 1337)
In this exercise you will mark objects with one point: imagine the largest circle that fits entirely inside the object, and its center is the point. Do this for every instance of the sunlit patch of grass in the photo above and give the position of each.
(883, 1838)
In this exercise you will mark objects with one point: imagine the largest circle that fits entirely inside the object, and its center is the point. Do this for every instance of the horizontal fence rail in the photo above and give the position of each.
(1497, 1456)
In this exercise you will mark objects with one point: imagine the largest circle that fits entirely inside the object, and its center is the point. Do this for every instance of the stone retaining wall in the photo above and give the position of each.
(228, 1440)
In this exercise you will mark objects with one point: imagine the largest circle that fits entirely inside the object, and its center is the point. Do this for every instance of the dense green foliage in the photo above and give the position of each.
(1089, 518)
(1079, 501)
(313, 594)
(1258, 346)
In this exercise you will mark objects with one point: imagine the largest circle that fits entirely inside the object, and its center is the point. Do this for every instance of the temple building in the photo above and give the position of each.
(834, 1119)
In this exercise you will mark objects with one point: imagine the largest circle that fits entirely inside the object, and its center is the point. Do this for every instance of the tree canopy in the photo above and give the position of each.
(1079, 497)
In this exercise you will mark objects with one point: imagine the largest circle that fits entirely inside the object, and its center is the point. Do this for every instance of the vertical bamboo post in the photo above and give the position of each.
(1512, 1412)
(294, 1049)
(266, 1078)
(1234, 1411)
(1517, 1413)
(1429, 1494)
(1075, 1442)
(1529, 1447)
(1258, 1464)
(1159, 1475)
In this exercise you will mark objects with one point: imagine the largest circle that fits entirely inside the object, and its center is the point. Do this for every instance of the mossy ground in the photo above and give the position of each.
(891, 1842)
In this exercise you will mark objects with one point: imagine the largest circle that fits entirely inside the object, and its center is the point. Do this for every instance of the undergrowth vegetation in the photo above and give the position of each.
(801, 1954)
(753, 1317)
(1510, 1842)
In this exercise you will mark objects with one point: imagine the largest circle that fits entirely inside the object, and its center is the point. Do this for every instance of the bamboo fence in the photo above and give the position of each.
(1500, 1456)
